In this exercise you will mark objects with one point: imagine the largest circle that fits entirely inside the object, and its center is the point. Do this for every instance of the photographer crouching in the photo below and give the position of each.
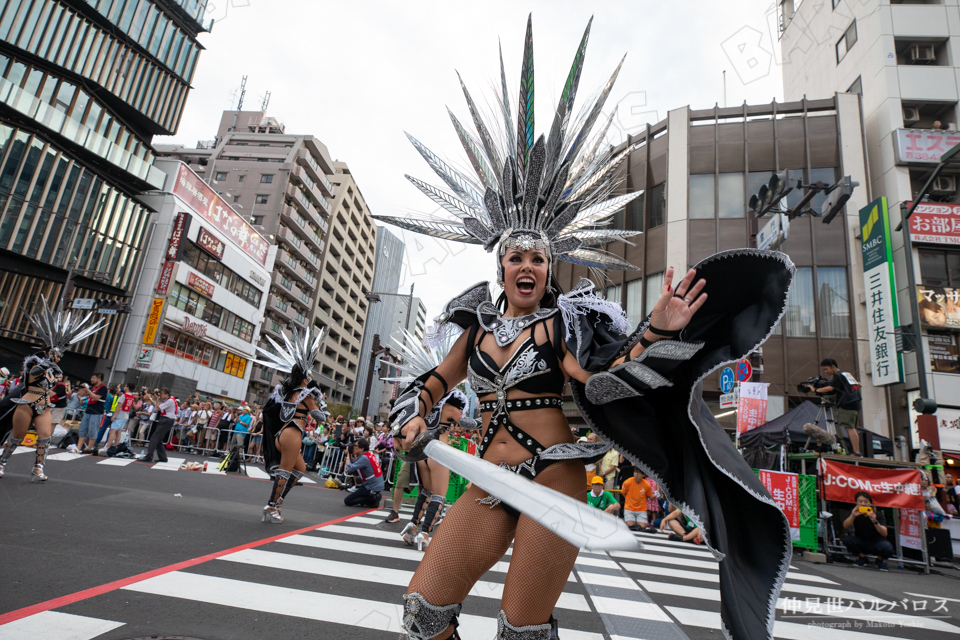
(846, 391)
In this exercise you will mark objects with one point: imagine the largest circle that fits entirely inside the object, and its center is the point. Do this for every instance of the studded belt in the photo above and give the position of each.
(523, 404)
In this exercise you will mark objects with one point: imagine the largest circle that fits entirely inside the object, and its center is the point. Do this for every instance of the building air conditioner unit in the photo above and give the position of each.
(945, 185)
(921, 54)
(911, 115)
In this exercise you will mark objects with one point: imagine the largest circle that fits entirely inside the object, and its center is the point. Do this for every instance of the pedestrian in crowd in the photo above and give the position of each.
(256, 432)
(73, 411)
(653, 506)
(241, 428)
(146, 417)
(210, 434)
(60, 396)
(607, 469)
(636, 493)
(591, 467)
(384, 447)
(683, 529)
(96, 394)
(182, 423)
(868, 532)
(167, 410)
(227, 420)
(200, 419)
(121, 413)
(369, 475)
(108, 409)
(600, 498)
(310, 435)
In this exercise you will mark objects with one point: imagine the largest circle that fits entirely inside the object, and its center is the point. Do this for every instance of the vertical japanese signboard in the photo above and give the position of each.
(910, 529)
(784, 489)
(752, 406)
(881, 293)
(153, 321)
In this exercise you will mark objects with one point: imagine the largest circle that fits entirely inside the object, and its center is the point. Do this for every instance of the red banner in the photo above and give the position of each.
(211, 207)
(786, 493)
(175, 246)
(752, 406)
(899, 488)
(935, 222)
(166, 276)
(911, 528)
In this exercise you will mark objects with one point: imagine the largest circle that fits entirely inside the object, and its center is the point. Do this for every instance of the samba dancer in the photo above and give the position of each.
(285, 414)
(536, 202)
(58, 331)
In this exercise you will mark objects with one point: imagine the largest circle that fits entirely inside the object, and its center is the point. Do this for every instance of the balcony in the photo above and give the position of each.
(294, 269)
(302, 176)
(305, 159)
(280, 281)
(271, 328)
(265, 375)
(280, 309)
(299, 248)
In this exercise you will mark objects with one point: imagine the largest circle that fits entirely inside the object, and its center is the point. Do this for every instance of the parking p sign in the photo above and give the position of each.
(726, 380)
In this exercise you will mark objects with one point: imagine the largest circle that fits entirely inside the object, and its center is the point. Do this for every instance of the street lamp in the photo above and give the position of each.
(374, 296)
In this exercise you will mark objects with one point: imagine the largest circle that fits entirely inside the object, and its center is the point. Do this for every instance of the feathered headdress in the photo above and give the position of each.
(60, 329)
(417, 360)
(300, 351)
(550, 193)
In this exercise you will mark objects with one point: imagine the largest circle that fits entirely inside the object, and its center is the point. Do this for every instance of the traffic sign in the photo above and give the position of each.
(744, 371)
(728, 400)
(726, 380)
(84, 303)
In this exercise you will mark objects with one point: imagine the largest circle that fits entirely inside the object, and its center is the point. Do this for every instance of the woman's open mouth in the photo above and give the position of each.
(526, 285)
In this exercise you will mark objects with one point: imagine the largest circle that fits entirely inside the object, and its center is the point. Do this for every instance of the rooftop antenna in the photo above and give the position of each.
(266, 101)
(243, 92)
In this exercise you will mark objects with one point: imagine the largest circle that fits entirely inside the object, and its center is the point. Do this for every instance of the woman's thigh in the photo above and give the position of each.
(541, 560)
(472, 538)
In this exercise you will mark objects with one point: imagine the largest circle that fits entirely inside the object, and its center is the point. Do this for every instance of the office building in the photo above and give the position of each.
(200, 299)
(697, 169)
(84, 87)
(386, 279)
(900, 59)
(287, 186)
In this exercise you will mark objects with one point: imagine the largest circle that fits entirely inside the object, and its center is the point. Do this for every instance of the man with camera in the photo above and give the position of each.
(869, 533)
(846, 391)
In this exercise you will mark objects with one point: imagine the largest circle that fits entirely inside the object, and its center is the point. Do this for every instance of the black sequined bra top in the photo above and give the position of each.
(531, 368)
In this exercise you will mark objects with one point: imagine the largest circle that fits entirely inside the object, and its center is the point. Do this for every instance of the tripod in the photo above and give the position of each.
(828, 411)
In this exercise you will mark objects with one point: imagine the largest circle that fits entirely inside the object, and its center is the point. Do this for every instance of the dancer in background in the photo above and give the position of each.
(58, 330)
(285, 414)
(536, 201)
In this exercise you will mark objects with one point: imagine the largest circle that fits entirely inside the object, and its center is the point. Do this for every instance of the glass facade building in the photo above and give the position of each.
(84, 87)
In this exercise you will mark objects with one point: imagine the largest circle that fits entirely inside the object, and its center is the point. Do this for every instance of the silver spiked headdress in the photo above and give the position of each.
(417, 360)
(298, 351)
(551, 193)
(60, 329)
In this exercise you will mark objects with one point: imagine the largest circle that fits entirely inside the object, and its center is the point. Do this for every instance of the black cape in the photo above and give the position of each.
(671, 434)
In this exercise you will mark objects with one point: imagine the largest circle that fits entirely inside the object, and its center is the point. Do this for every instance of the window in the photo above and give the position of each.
(241, 177)
(266, 178)
(654, 285)
(634, 214)
(730, 186)
(261, 198)
(613, 293)
(847, 41)
(856, 87)
(658, 205)
(834, 302)
(702, 197)
(940, 268)
(635, 301)
(236, 199)
(255, 220)
(799, 319)
(221, 175)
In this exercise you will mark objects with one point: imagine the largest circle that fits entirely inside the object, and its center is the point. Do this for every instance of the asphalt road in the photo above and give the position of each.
(121, 552)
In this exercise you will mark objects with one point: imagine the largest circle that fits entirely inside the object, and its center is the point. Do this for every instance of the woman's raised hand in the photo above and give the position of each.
(676, 307)
(408, 433)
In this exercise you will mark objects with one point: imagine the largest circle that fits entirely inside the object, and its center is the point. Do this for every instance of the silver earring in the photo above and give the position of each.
(500, 278)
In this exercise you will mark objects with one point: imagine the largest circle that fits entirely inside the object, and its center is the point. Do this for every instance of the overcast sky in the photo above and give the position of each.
(359, 74)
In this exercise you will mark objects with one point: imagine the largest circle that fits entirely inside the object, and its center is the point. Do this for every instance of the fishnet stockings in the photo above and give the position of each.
(474, 537)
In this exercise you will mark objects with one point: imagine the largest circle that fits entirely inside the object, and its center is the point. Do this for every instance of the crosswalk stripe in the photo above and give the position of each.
(781, 629)
(668, 572)
(672, 589)
(172, 464)
(257, 472)
(380, 534)
(357, 612)
(805, 609)
(378, 551)
(639, 610)
(672, 546)
(116, 462)
(53, 625)
(369, 573)
(64, 456)
(665, 559)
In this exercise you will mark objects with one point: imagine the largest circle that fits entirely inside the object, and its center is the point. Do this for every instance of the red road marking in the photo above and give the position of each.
(63, 601)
